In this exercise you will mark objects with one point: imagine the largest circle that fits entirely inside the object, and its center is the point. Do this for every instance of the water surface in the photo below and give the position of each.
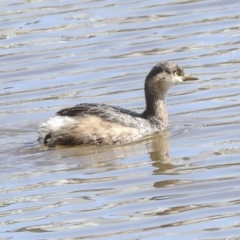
(183, 184)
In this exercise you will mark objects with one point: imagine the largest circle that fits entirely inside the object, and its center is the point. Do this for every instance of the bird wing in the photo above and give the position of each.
(109, 113)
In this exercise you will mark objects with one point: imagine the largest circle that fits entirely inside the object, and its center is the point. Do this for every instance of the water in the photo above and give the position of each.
(179, 185)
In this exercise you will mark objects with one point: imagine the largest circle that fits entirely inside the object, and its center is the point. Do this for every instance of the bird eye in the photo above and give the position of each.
(175, 73)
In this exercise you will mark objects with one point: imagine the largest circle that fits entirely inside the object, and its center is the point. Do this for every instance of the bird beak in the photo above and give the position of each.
(188, 78)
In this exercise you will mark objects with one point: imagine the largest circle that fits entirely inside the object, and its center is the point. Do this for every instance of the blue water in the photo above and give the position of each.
(180, 185)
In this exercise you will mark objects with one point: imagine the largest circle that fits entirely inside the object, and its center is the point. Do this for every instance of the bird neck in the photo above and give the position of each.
(156, 109)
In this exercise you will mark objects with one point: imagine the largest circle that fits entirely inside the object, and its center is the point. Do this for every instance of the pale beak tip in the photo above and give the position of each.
(189, 77)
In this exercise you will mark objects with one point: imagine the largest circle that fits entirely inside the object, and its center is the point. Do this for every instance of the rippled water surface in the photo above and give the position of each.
(184, 184)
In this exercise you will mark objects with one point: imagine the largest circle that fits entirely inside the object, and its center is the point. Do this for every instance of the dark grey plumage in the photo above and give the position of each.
(109, 113)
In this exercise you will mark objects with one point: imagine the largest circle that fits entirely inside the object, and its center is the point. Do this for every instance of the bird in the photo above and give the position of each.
(100, 124)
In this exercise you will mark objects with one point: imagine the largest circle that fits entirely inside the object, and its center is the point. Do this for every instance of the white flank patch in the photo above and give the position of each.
(53, 124)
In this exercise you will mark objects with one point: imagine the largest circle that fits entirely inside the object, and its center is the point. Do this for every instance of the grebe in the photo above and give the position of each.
(100, 124)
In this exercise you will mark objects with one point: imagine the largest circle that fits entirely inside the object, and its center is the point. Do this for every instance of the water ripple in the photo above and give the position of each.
(181, 184)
